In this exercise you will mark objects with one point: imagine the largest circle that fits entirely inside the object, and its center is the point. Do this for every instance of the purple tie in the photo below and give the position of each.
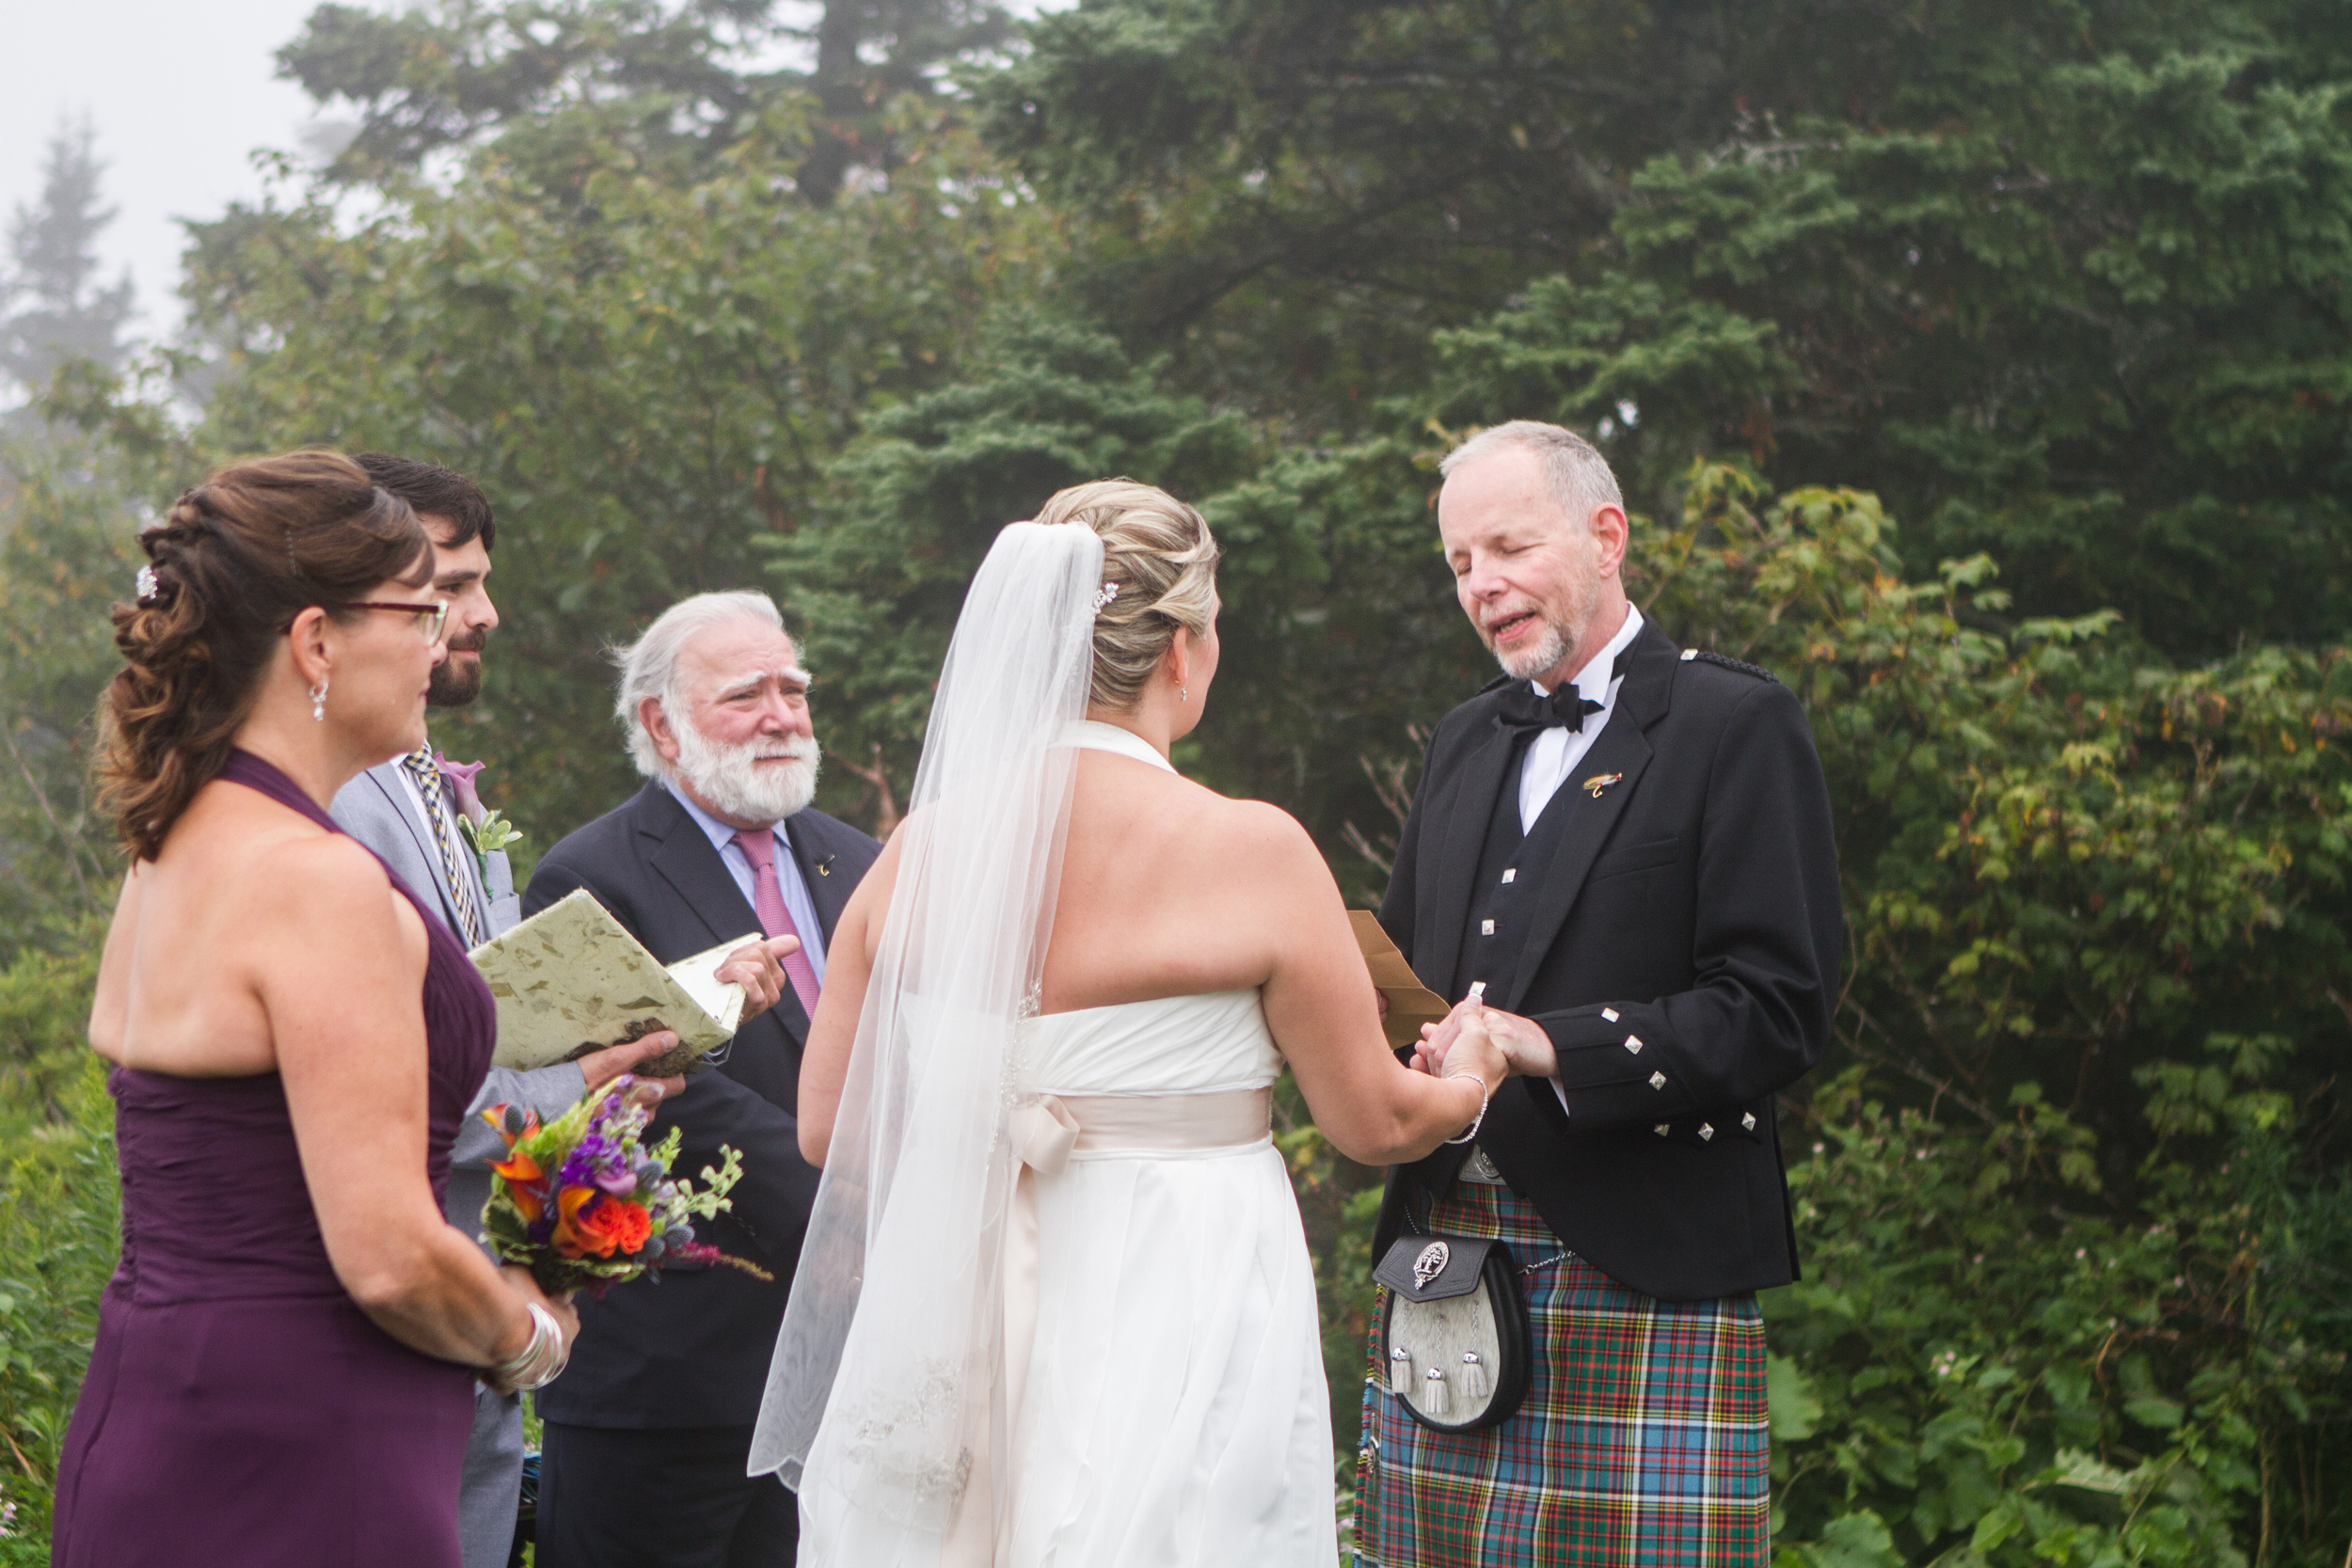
(767, 903)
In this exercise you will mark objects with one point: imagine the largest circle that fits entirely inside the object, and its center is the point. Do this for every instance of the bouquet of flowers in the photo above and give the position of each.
(583, 1203)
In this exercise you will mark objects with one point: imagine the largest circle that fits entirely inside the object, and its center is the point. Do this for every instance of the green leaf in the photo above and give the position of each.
(1795, 1408)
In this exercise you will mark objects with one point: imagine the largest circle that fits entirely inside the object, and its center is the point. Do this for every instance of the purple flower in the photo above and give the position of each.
(461, 778)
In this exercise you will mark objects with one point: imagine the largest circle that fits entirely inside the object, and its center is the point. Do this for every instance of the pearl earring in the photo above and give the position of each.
(318, 702)
(1183, 693)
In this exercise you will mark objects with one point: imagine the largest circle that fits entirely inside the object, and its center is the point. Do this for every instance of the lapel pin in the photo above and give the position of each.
(825, 868)
(1598, 781)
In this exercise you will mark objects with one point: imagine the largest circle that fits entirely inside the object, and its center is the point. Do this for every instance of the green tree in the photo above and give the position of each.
(645, 374)
(461, 74)
(877, 577)
(2065, 280)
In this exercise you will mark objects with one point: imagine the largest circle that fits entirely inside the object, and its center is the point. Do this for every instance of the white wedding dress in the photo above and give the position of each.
(1054, 1308)
(1169, 1409)
(1175, 1411)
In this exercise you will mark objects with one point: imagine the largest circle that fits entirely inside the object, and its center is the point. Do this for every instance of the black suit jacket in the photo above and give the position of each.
(1682, 955)
(693, 1348)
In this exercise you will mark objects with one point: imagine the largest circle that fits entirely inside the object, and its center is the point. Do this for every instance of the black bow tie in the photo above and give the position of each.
(1525, 708)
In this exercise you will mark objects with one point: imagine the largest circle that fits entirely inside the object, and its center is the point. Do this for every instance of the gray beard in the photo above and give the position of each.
(1548, 651)
(731, 779)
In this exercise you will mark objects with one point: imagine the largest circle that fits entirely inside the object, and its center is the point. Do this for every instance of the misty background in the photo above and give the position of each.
(177, 97)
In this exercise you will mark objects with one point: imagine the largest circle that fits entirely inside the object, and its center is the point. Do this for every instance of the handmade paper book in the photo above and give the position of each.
(570, 980)
(1410, 1003)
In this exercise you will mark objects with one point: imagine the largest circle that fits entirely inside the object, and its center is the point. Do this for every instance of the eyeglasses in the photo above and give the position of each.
(431, 618)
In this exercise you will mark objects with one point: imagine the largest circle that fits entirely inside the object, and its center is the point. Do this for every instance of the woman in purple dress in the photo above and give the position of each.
(285, 1358)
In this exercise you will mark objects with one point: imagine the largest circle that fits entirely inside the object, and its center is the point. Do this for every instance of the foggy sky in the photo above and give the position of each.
(180, 93)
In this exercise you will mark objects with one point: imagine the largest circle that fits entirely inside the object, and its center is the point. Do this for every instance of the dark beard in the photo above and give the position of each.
(456, 685)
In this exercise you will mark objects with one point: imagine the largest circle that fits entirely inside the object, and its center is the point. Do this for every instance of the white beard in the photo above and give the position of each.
(1548, 650)
(732, 779)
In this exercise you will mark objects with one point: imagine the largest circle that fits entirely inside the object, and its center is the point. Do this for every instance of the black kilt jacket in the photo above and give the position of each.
(1680, 945)
(691, 1349)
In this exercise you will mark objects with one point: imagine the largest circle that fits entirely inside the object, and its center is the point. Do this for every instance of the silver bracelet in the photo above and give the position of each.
(1486, 1097)
(537, 1363)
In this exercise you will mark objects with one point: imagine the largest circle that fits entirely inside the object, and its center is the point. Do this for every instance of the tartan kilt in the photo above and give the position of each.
(1643, 1440)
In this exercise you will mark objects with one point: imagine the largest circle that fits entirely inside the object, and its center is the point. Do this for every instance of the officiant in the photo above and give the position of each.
(415, 811)
(1627, 845)
(648, 1430)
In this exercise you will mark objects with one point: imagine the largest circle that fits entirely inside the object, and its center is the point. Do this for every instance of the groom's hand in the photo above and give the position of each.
(1523, 1041)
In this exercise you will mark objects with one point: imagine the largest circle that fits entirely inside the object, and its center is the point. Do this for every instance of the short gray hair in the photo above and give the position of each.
(1578, 477)
(649, 665)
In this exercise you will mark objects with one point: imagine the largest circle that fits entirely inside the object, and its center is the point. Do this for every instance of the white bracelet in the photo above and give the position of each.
(1486, 1097)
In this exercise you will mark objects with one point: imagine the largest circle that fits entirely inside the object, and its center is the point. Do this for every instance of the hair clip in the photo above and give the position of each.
(1103, 595)
(150, 590)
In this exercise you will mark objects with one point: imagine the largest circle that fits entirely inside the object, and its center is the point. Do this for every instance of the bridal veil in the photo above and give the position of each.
(886, 1363)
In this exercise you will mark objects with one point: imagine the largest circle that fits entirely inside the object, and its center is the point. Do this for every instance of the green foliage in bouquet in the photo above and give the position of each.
(585, 1204)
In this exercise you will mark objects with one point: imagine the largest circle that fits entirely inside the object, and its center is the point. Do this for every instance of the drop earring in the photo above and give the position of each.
(318, 702)
(1183, 693)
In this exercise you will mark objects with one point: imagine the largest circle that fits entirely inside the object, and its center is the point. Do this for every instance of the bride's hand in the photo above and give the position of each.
(1473, 1052)
(1525, 1047)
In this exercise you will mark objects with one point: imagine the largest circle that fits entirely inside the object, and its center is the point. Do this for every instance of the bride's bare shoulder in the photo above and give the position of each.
(1252, 836)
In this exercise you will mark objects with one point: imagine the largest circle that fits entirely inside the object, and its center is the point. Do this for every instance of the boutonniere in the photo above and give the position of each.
(486, 831)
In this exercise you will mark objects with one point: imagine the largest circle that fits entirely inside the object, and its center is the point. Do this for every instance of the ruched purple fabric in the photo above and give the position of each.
(239, 1408)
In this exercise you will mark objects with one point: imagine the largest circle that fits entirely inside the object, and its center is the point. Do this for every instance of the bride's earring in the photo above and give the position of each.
(1183, 693)
(318, 702)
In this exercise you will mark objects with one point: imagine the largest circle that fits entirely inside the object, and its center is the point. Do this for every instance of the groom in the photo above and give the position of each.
(1628, 845)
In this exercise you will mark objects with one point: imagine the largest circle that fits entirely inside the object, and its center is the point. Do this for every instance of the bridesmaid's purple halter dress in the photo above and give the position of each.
(239, 1408)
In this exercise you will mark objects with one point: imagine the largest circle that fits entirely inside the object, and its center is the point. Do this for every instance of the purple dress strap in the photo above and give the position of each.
(239, 1408)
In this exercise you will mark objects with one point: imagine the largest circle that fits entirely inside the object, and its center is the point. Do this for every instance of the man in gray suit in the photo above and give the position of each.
(407, 810)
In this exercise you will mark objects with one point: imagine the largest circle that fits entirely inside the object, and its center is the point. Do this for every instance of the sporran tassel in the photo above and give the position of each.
(1401, 1373)
(1433, 1394)
(1474, 1383)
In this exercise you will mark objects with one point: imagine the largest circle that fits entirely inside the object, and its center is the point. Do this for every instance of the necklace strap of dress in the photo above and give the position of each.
(1090, 736)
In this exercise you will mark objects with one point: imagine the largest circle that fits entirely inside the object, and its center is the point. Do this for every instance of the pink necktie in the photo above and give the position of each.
(767, 903)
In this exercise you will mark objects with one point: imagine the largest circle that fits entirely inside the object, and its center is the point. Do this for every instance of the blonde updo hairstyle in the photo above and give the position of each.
(1159, 554)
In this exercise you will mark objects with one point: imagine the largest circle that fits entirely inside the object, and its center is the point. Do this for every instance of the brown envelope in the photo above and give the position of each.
(1410, 1003)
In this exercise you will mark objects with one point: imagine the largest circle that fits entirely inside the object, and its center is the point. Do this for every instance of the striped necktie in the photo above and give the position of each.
(427, 773)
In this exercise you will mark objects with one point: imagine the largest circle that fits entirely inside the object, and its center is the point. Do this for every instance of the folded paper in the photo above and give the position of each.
(1410, 1004)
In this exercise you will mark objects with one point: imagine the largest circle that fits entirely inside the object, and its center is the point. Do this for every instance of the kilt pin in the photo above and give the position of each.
(1672, 922)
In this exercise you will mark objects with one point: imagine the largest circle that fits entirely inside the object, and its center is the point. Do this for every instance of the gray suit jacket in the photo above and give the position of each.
(376, 809)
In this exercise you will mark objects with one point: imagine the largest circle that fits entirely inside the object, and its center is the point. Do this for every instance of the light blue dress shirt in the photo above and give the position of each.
(788, 880)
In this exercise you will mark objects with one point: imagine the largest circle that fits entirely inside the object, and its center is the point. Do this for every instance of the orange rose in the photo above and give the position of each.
(615, 1225)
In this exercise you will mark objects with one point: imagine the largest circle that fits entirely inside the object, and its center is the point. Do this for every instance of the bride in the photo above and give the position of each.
(1054, 1306)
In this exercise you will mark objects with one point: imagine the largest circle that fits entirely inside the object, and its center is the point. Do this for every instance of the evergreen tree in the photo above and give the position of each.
(466, 72)
(55, 307)
(2064, 280)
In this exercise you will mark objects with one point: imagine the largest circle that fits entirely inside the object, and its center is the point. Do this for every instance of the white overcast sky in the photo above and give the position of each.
(181, 93)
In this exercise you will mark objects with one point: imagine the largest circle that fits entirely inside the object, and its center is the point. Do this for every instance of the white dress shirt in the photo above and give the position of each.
(1553, 754)
(789, 878)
